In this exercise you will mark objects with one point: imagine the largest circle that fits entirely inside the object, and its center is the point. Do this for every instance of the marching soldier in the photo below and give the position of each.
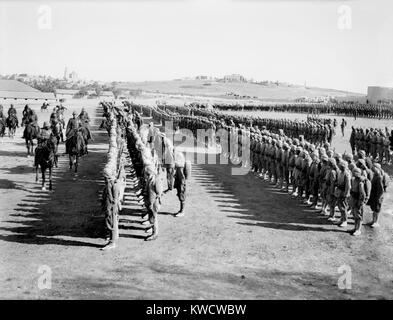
(72, 125)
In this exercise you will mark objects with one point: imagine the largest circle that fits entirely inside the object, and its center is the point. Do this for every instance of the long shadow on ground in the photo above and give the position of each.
(248, 198)
(68, 215)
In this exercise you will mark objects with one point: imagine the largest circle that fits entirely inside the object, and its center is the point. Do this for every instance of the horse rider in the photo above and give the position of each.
(56, 127)
(84, 116)
(2, 119)
(72, 125)
(32, 120)
(45, 133)
(43, 137)
(54, 117)
(12, 111)
(26, 112)
(84, 120)
(2, 116)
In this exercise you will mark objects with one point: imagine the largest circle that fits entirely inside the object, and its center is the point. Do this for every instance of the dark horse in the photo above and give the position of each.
(57, 133)
(12, 124)
(2, 126)
(31, 132)
(45, 158)
(76, 147)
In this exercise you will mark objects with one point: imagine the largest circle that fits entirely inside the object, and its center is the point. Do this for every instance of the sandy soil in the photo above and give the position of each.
(240, 238)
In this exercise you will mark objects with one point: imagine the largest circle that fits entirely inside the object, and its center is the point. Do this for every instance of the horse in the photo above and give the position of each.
(75, 147)
(58, 134)
(44, 107)
(45, 159)
(86, 133)
(31, 132)
(12, 124)
(2, 127)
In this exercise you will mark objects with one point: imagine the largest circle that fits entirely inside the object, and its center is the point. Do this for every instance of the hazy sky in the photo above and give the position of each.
(293, 41)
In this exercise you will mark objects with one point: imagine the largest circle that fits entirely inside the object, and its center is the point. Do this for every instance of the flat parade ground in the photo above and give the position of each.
(239, 239)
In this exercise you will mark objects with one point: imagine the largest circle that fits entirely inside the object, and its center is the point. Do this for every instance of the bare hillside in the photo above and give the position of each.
(239, 90)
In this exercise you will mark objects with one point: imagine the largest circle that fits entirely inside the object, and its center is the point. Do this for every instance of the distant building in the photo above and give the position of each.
(15, 90)
(234, 78)
(70, 76)
(379, 94)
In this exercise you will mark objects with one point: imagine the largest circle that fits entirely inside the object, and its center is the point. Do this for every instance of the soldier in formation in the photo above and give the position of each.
(311, 171)
(350, 109)
(377, 143)
(320, 175)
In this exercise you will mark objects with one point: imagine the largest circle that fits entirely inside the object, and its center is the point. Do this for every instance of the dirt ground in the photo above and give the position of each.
(239, 239)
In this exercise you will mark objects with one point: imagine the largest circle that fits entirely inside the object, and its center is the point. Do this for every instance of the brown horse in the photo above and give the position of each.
(76, 147)
(57, 132)
(2, 126)
(31, 132)
(45, 159)
(12, 124)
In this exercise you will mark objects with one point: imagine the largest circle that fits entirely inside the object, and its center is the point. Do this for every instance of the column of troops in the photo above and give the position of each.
(352, 109)
(318, 176)
(151, 155)
(377, 143)
(313, 173)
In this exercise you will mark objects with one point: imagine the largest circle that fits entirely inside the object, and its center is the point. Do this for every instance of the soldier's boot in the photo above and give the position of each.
(110, 245)
(112, 240)
(287, 186)
(300, 193)
(154, 234)
(323, 208)
(332, 217)
(356, 231)
(294, 191)
(375, 223)
(181, 211)
(314, 203)
(307, 200)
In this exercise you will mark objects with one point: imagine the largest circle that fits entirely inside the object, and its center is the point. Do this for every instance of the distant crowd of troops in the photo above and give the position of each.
(351, 109)
(315, 129)
(377, 143)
